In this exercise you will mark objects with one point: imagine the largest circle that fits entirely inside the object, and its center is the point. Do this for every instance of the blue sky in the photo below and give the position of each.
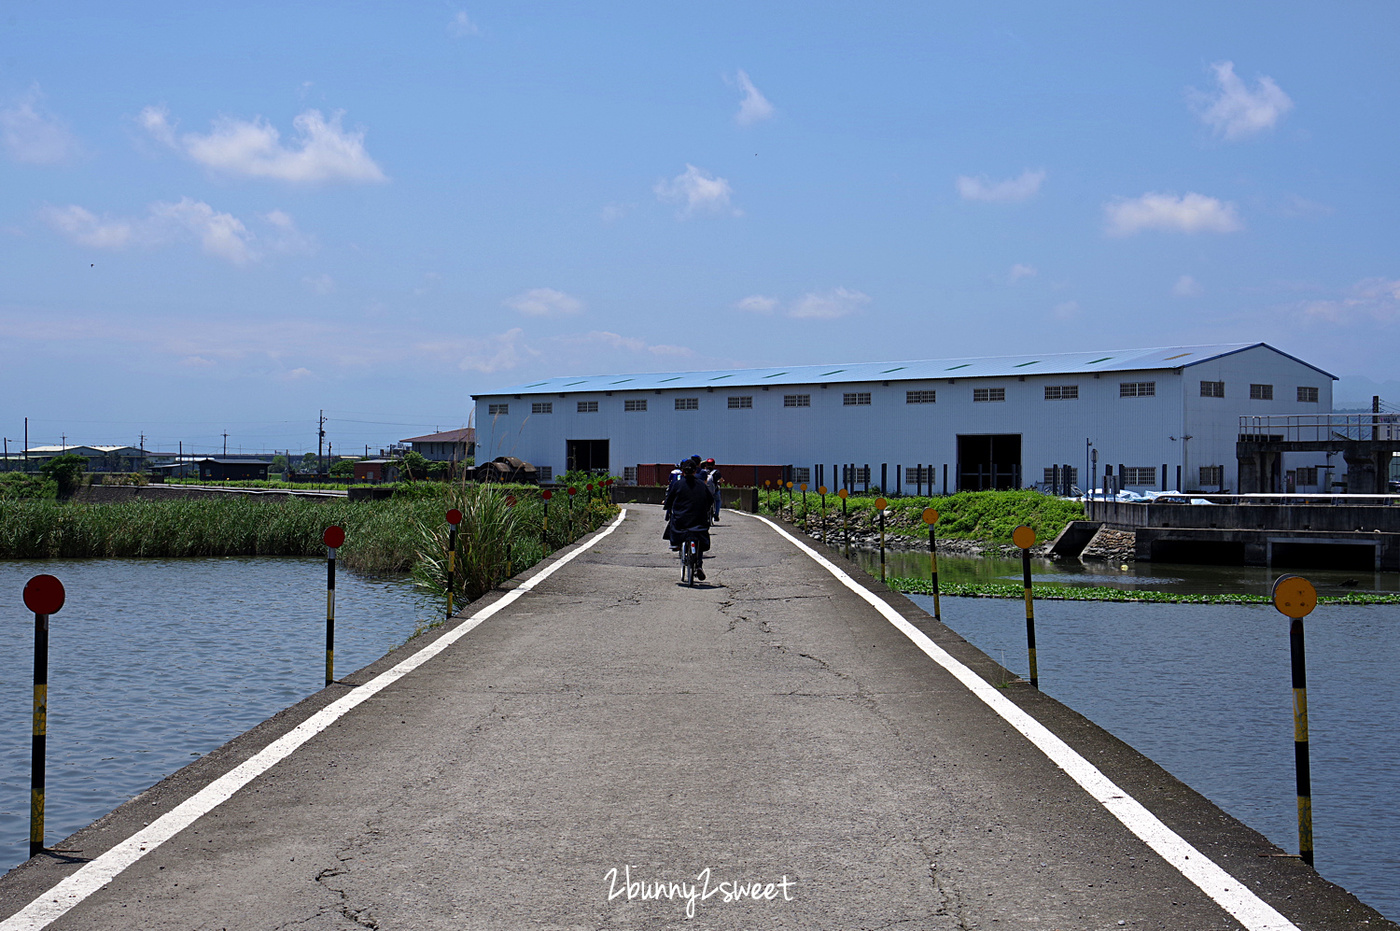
(228, 218)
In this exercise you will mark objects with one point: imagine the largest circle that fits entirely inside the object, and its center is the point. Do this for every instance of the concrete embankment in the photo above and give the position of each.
(598, 735)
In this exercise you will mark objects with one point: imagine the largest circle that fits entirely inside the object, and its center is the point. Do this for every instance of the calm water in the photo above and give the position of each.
(155, 662)
(1205, 691)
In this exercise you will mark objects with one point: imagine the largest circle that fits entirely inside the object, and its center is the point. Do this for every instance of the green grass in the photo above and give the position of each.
(1105, 593)
(988, 516)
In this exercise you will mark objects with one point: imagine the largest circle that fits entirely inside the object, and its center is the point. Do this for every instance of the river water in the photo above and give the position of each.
(155, 662)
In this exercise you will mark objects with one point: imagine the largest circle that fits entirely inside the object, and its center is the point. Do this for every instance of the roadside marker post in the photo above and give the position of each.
(805, 519)
(1024, 537)
(880, 505)
(572, 491)
(44, 595)
(1295, 597)
(510, 562)
(334, 538)
(931, 518)
(845, 520)
(544, 527)
(821, 490)
(454, 517)
(791, 514)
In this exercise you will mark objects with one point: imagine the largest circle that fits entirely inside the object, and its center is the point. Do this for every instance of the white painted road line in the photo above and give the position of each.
(1227, 891)
(92, 876)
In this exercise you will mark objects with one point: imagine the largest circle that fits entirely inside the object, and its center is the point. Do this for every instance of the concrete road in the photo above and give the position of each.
(609, 736)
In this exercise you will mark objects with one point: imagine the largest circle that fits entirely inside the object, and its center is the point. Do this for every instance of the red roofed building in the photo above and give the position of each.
(448, 446)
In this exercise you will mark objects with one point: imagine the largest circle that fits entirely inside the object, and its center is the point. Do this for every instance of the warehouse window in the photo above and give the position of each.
(801, 475)
(918, 475)
(687, 404)
(588, 407)
(988, 394)
(542, 407)
(797, 400)
(629, 473)
(1307, 396)
(1213, 475)
(920, 397)
(1137, 389)
(741, 403)
(1061, 392)
(497, 410)
(545, 473)
(1139, 475)
(856, 399)
(640, 405)
(1261, 392)
(1212, 389)
(1068, 475)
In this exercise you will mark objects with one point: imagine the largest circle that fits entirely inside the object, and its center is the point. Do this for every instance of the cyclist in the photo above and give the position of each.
(712, 478)
(688, 504)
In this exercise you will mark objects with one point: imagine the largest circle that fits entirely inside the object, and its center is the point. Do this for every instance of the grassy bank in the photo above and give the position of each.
(1106, 593)
(392, 536)
(987, 516)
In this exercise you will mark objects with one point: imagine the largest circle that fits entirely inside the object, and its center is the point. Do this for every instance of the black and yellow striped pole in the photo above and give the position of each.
(454, 517)
(334, 538)
(1024, 537)
(1295, 597)
(821, 490)
(791, 503)
(880, 505)
(931, 518)
(845, 521)
(805, 521)
(43, 595)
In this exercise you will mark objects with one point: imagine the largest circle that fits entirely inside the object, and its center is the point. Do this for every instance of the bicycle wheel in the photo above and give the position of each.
(688, 564)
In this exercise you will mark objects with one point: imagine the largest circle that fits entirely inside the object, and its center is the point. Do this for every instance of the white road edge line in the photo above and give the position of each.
(1227, 891)
(97, 873)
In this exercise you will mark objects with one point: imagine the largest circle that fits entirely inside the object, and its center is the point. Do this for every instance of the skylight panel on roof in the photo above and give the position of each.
(622, 381)
(720, 377)
(956, 367)
(1179, 355)
(1024, 364)
(672, 378)
(537, 384)
(1096, 361)
(570, 384)
(832, 372)
(897, 368)
(775, 375)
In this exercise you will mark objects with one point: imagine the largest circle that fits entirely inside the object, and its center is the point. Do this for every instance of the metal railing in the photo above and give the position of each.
(1320, 428)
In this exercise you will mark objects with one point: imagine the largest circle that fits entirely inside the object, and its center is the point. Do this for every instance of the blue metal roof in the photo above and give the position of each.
(1058, 363)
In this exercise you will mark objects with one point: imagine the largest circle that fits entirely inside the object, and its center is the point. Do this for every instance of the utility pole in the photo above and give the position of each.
(320, 438)
(225, 444)
(26, 444)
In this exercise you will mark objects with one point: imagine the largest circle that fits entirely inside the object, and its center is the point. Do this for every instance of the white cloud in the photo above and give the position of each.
(1009, 191)
(322, 151)
(1193, 213)
(461, 26)
(220, 234)
(1234, 111)
(1019, 271)
(611, 213)
(86, 229)
(626, 343)
(545, 302)
(33, 135)
(758, 304)
(284, 235)
(1371, 299)
(197, 362)
(697, 191)
(1186, 286)
(1068, 310)
(498, 353)
(827, 306)
(754, 108)
(320, 284)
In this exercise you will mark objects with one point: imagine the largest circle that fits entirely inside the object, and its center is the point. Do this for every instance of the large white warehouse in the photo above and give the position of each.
(1161, 418)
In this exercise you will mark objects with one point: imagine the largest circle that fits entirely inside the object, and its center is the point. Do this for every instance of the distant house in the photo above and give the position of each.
(449, 446)
(232, 470)
(376, 470)
(100, 458)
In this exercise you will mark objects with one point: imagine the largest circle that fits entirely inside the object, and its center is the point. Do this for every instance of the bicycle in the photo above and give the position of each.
(690, 561)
